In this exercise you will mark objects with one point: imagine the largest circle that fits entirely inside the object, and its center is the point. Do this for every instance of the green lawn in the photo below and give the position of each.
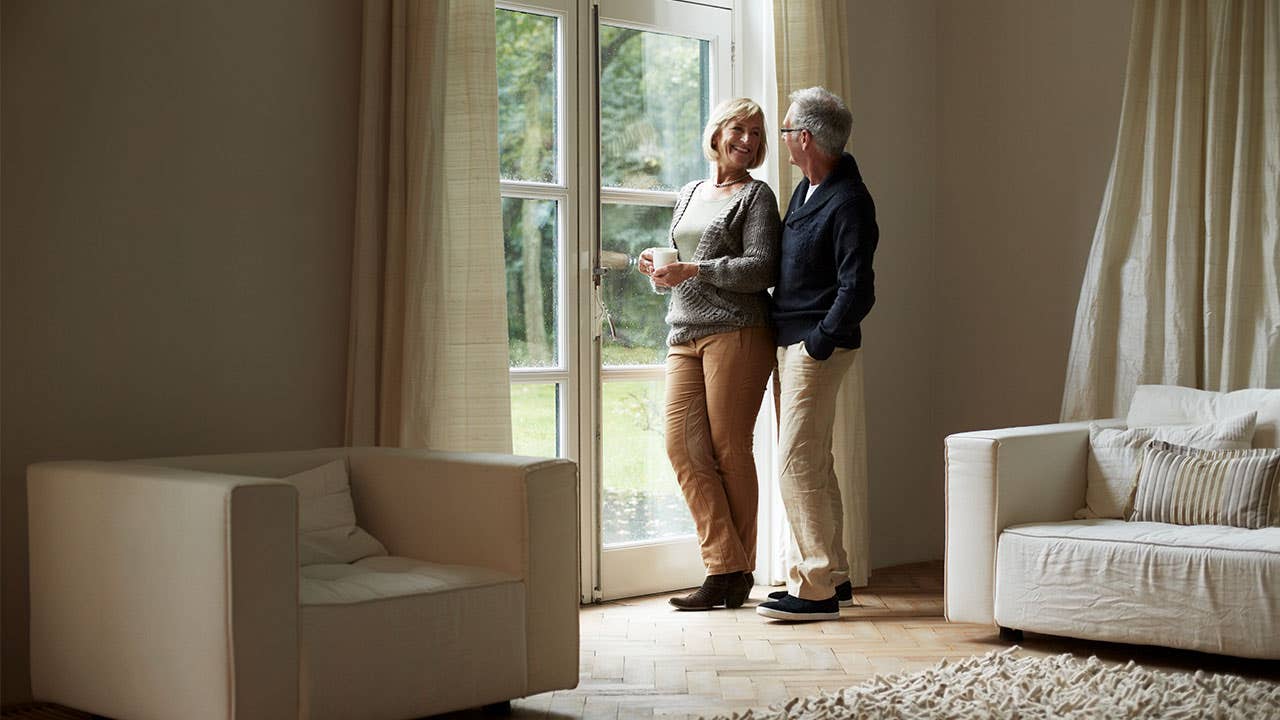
(641, 497)
(635, 454)
(533, 419)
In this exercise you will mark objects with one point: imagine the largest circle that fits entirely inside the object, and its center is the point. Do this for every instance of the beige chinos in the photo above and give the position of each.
(805, 394)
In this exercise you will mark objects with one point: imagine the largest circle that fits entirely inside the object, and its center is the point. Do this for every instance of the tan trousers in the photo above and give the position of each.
(805, 395)
(714, 388)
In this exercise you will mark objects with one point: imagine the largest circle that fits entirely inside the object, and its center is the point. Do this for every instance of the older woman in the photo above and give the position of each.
(726, 231)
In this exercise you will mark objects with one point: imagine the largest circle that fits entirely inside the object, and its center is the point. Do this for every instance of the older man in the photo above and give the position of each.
(825, 288)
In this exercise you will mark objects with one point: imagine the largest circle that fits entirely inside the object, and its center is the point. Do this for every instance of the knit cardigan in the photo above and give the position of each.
(737, 259)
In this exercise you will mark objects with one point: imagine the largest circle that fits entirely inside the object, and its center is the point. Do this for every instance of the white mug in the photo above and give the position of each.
(663, 257)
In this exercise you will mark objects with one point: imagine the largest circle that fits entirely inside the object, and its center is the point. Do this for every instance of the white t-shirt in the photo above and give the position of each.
(809, 193)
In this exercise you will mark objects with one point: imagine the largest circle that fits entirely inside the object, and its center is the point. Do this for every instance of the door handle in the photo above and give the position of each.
(611, 260)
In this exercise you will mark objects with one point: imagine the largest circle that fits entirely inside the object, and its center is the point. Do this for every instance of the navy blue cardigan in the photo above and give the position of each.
(825, 281)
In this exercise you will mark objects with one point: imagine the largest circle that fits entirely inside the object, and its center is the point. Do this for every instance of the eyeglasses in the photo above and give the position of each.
(784, 131)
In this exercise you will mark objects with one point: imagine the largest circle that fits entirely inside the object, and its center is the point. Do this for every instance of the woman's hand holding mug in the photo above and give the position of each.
(644, 263)
(662, 264)
(656, 257)
(674, 274)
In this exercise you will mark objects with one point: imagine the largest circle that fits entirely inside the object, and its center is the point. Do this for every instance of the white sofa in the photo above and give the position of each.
(171, 588)
(1017, 558)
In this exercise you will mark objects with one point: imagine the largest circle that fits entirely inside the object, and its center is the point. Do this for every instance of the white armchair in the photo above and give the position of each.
(170, 587)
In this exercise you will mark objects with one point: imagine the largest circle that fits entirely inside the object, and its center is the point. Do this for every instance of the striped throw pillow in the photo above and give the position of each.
(1187, 486)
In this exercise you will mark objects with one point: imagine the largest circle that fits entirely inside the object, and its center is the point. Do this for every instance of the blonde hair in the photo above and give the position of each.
(726, 112)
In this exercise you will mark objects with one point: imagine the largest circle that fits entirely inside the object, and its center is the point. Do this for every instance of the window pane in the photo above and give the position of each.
(535, 419)
(654, 94)
(636, 333)
(527, 89)
(529, 229)
(642, 501)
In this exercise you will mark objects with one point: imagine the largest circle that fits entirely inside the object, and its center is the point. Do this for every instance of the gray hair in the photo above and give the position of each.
(824, 115)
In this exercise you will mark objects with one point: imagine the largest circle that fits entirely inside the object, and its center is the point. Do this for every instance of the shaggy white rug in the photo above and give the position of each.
(1003, 685)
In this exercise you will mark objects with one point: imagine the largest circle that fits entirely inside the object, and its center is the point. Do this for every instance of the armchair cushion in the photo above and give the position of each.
(413, 655)
(378, 578)
(327, 530)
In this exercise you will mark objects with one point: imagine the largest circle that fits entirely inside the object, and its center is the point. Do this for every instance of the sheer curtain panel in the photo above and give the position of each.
(1181, 285)
(427, 362)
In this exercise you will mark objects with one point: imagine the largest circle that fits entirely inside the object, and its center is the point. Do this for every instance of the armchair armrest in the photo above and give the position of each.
(510, 513)
(998, 478)
(161, 593)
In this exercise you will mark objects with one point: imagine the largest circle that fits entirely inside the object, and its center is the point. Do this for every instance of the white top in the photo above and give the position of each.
(697, 216)
(809, 193)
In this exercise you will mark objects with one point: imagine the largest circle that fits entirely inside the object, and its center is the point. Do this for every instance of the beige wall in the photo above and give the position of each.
(1029, 104)
(178, 202)
(985, 130)
(895, 139)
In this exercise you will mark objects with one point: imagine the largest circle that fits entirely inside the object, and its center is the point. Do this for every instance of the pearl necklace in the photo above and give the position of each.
(734, 181)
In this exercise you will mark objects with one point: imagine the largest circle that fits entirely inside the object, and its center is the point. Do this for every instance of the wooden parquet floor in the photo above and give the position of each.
(642, 659)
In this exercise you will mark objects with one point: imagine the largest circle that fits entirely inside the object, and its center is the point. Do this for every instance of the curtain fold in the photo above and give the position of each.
(1182, 285)
(427, 354)
(812, 48)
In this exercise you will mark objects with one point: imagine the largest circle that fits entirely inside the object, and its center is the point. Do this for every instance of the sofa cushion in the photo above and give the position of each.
(1173, 405)
(1138, 581)
(1186, 486)
(327, 530)
(1115, 455)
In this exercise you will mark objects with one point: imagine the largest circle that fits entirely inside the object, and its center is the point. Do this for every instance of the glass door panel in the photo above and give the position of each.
(535, 419)
(642, 502)
(528, 93)
(635, 330)
(530, 229)
(663, 65)
(654, 95)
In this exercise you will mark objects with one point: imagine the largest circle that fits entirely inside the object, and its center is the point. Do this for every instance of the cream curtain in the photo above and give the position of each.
(1181, 285)
(427, 363)
(811, 48)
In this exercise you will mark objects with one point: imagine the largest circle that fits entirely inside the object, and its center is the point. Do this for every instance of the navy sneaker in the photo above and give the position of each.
(793, 608)
(844, 594)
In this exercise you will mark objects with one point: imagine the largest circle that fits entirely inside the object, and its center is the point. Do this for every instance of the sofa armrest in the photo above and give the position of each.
(998, 478)
(510, 513)
(162, 593)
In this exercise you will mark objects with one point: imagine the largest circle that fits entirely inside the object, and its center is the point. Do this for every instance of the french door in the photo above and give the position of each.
(601, 116)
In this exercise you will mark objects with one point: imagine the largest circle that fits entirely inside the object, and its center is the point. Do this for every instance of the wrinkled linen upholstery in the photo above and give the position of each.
(1171, 405)
(1041, 474)
(1000, 478)
(170, 587)
(361, 629)
(1199, 587)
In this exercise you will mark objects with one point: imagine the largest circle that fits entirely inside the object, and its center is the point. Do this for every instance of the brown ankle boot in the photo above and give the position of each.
(727, 589)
